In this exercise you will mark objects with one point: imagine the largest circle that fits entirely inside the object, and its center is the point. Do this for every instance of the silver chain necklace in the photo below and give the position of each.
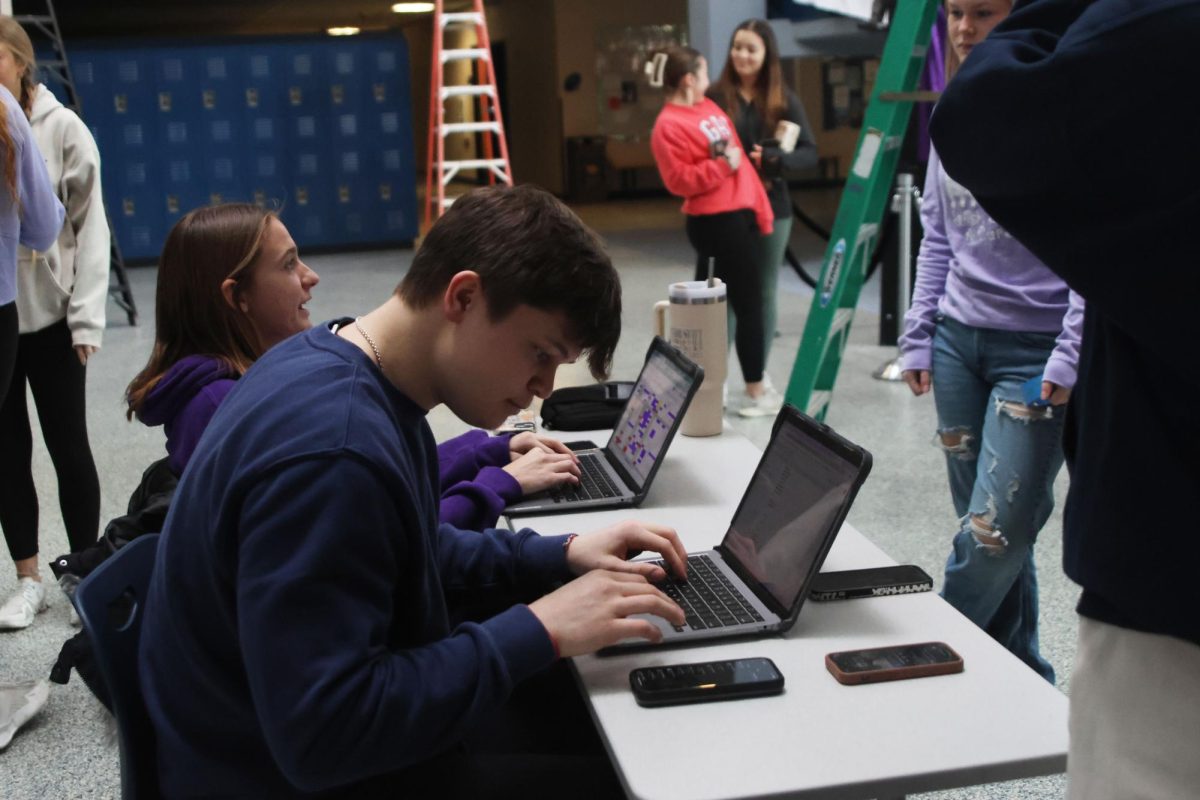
(370, 341)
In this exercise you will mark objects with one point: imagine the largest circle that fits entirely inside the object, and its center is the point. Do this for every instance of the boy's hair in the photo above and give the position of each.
(528, 249)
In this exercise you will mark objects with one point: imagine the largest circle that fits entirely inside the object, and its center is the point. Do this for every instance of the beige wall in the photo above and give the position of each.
(534, 121)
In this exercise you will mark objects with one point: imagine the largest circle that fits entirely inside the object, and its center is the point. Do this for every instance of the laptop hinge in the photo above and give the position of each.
(760, 591)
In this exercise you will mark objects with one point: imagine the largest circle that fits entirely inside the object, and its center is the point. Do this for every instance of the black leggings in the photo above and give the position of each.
(47, 360)
(732, 239)
(8, 345)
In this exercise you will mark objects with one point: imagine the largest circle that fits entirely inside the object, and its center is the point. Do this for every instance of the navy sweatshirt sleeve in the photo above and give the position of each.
(341, 706)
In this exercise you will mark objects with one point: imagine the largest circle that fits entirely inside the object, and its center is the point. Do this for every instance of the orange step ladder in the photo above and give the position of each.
(441, 171)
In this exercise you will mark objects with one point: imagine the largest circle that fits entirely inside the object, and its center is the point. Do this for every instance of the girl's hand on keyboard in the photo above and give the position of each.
(609, 548)
(538, 470)
(527, 442)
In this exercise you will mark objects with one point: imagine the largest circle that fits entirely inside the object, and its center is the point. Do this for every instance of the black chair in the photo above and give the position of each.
(110, 602)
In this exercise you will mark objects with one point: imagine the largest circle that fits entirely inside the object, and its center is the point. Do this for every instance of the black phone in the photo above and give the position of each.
(875, 582)
(705, 681)
(582, 444)
(893, 663)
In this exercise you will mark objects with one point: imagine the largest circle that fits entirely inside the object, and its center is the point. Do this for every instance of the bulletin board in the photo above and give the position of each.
(628, 105)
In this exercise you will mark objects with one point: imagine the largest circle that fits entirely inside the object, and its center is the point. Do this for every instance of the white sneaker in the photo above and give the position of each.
(766, 404)
(18, 703)
(28, 601)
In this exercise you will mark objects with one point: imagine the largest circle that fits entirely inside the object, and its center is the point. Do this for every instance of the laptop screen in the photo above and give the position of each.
(638, 438)
(793, 500)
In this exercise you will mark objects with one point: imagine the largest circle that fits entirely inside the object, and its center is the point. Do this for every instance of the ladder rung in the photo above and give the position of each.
(469, 127)
(462, 16)
(475, 163)
(462, 91)
(866, 231)
(910, 97)
(469, 54)
(23, 18)
(841, 319)
(448, 201)
(817, 401)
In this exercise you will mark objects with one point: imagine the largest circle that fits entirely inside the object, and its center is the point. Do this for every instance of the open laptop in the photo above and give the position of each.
(620, 473)
(755, 581)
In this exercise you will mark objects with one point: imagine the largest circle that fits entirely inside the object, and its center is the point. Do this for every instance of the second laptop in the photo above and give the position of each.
(620, 473)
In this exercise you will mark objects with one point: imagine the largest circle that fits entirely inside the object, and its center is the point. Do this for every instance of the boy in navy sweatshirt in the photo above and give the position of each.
(296, 639)
(1069, 126)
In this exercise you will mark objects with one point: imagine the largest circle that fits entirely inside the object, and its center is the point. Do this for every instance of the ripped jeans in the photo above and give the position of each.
(1002, 457)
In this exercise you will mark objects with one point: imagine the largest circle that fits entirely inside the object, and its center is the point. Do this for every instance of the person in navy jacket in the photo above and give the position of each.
(297, 638)
(1072, 126)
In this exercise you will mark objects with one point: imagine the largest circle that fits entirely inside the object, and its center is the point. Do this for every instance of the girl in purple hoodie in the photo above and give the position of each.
(231, 285)
(988, 318)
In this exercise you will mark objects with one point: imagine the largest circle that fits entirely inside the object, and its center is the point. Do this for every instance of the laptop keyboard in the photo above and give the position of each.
(594, 483)
(707, 597)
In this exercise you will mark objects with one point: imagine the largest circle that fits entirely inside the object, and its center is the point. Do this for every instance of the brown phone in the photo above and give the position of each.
(894, 663)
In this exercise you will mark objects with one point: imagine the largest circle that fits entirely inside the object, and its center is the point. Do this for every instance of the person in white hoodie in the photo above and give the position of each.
(61, 294)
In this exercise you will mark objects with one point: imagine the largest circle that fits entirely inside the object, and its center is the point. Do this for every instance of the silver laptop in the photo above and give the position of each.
(620, 473)
(755, 581)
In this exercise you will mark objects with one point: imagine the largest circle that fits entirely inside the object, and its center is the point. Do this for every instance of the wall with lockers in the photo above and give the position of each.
(319, 129)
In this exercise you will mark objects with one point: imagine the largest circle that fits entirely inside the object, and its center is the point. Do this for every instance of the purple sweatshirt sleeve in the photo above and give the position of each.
(475, 489)
(1064, 361)
(933, 265)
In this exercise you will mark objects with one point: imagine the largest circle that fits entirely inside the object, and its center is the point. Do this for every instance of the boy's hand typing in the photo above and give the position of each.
(610, 548)
(592, 612)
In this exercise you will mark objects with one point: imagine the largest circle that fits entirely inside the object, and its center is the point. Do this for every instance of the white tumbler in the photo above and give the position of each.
(693, 320)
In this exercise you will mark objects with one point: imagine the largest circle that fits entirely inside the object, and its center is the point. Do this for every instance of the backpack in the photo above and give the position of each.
(147, 510)
(586, 408)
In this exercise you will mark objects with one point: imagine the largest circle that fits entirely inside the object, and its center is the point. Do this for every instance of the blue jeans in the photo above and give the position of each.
(1002, 457)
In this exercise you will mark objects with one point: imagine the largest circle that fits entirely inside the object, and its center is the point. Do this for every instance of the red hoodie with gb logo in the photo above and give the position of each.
(688, 142)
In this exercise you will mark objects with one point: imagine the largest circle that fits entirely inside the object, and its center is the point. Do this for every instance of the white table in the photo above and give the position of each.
(995, 721)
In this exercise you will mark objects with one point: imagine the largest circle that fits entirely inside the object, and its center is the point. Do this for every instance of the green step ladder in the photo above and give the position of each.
(860, 212)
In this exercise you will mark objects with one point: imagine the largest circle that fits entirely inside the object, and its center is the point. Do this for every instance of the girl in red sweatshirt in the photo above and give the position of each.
(701, 160)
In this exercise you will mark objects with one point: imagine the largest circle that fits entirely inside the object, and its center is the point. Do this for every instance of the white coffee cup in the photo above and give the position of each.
(787, 134)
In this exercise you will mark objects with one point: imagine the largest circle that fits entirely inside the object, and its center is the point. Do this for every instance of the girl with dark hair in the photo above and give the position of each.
(32, 216)
(752, 92)
(701, 159)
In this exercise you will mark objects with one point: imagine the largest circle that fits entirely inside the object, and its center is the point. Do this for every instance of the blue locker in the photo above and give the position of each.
(178, 118)
(265, 145)
(223, 131)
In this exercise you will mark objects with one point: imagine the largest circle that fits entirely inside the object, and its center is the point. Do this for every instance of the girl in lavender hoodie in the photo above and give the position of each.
(986, 318)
